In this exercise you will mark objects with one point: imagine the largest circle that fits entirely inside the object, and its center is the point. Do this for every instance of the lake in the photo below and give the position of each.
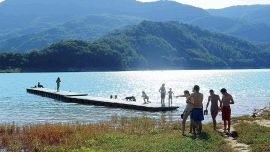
(250, 89)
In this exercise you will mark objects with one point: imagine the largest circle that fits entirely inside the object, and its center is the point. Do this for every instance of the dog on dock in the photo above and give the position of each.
(132, 98)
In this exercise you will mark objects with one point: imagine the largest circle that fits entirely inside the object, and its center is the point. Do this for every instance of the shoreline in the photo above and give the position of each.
(135, 70)
(124, 134)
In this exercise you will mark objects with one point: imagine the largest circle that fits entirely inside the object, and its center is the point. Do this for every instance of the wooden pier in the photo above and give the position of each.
(82, 98)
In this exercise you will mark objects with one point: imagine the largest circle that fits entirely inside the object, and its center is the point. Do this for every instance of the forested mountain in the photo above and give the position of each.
(86, 28)
(30, 24)
(253, 13)
(149, 45)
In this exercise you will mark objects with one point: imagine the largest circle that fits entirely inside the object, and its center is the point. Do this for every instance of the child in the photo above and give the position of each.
(186, 112)
(145, 98)
(170, 92)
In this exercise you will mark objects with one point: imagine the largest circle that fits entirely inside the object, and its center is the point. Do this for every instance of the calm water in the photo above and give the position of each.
(250, 88)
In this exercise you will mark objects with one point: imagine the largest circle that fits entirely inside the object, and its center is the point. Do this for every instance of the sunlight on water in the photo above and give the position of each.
(250, 89)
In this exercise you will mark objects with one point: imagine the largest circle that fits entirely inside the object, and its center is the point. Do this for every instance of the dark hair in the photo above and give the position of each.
(223, 90)
(186, 92)
(196, 88)
(211, 91)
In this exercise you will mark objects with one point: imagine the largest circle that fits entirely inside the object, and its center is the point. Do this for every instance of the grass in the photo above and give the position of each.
(258, 137)
(118, 134)
(253, 134)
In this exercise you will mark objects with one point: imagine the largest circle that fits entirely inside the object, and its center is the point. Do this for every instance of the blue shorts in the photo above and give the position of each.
(197, 114)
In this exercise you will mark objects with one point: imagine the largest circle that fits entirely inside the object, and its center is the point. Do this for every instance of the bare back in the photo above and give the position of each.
(197, 99)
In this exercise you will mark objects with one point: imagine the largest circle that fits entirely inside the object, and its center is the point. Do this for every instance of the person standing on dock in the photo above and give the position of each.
(214, 99)
(170, 92)
(226, 101)
(162, 92)
(58, 81)
(197, 111)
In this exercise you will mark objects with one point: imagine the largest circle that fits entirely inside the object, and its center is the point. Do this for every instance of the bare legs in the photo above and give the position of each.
(197, 127)
(186, 114)
(214, 115)
(229, 126)
(170, 102)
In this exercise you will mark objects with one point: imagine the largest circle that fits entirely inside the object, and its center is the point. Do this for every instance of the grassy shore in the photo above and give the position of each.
(253, 131)
(132, 134)
(118, 134)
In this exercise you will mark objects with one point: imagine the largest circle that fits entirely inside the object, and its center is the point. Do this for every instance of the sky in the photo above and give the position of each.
(206, 4)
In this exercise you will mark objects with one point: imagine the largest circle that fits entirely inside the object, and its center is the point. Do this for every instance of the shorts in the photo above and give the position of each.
(226, 113)
(162, 95)
(197, 114)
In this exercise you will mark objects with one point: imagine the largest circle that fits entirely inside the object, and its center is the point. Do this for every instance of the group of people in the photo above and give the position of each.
(194, 109)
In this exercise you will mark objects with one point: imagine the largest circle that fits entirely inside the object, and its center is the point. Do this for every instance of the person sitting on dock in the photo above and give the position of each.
(111, 97)
(170, 92)
(226, 101)
(162, 92)
(115, 97)
(39, 85)
(58, 81)
(186, 112)
(145, 98)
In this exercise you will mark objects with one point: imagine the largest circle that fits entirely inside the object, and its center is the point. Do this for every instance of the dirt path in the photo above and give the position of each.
(263, 122)
(237, 147)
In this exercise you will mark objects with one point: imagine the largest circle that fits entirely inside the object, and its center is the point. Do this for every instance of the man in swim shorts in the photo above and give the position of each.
(226, 101)
(214, 99)
(197, 111)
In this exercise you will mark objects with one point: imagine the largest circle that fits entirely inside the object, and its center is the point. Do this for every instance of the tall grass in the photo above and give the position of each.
(118, 134)
(258, 137)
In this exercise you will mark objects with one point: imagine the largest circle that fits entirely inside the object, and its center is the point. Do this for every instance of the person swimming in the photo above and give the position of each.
(214, 99)
(187, 112)
(170, 92)
(162, 91)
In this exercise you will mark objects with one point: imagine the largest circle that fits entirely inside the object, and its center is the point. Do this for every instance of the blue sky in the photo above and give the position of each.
(216, 3)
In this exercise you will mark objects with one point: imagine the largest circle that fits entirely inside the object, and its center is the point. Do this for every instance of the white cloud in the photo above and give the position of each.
(218, 3)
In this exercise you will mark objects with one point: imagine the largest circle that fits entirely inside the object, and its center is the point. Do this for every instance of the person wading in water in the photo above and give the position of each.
(214, 99)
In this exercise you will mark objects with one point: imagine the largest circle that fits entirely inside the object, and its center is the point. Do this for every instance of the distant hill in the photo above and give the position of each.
(250, 13)
(34, 24)
(149, 45)
(254, 32)
(86, 28)
(29, 24)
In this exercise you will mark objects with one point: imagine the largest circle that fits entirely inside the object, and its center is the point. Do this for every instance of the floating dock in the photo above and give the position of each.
(82, 98)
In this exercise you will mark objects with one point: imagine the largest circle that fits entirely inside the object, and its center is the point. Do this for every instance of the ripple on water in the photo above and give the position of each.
(250, 89)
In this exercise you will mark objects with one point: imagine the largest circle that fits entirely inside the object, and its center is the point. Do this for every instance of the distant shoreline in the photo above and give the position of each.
(135, 70)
